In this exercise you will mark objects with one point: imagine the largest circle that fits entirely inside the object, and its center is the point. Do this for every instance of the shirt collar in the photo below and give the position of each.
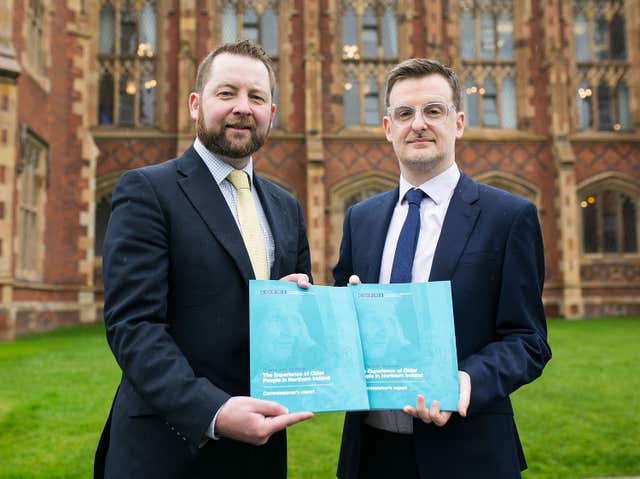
(218, 168)
(439, 188)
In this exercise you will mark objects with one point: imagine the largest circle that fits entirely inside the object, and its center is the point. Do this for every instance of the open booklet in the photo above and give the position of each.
(368, 346)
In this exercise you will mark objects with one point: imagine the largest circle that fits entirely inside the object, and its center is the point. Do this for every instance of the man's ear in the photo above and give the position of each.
(459, 124)
(194, 105)
(274, 107)
(386, 124)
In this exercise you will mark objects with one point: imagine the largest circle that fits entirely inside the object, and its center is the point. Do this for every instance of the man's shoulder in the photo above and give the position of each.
(166, 169)
(376, 201)
(493, 195)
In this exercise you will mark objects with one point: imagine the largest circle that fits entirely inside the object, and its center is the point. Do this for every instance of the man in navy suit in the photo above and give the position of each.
(437, 225)
(176, 272)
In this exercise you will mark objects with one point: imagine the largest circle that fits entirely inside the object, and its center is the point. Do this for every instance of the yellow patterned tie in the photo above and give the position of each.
(249, 224)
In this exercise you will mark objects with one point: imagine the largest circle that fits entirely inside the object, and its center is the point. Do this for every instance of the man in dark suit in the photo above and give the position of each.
(441, 225)
(184, 239)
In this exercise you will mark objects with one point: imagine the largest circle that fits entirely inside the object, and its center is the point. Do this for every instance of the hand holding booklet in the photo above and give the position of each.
(361, 347)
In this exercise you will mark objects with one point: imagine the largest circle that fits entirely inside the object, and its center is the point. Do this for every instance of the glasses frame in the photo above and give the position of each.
(450, 106)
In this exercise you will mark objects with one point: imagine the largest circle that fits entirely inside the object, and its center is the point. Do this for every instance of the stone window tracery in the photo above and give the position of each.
(488, 63)
(599, 35)
(127, 49)
(369, 47)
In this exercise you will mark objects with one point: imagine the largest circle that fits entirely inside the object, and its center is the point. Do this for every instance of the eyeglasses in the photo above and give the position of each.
(432, 113)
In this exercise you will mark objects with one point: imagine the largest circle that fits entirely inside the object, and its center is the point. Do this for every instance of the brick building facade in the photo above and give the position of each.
(91, 88)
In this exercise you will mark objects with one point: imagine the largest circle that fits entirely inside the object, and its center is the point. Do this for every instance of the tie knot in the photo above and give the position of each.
(239, 179)
(414, 196)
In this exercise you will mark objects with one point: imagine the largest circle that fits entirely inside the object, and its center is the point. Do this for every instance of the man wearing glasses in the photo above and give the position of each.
(437, 225)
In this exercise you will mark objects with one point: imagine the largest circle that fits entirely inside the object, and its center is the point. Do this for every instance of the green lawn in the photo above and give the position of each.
(579, 420)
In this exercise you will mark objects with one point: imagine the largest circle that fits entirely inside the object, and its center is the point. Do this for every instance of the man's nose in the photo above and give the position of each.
(418, 123)
(242, 105)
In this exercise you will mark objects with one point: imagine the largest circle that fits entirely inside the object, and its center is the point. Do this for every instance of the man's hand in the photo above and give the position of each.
(354, 279)
(300, 278)
(434, 414)
(253, 421)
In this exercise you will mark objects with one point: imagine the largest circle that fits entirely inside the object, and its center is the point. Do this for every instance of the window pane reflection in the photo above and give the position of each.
(585, 118)
(470, 103)
(105, 99)
(371, 113)
(351, 101)
(508, 103)
(229, 25)
(467, 36)
(618, 39)
(601, 38)
(147, 99)
(107, 29)
(505, 36)
(148, 30)
(250, 25)
(487, 39)
(128, 34)
(489, 104)
(270, 32)
(126, 101)
(604, 107)
(590, 228)
(369, 34)
(629, 220)
(389, 34)
(624, 112)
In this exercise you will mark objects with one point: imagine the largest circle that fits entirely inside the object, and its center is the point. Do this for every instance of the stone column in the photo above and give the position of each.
(186, 71)
(571, 301)
(316, 198)
(9, 72)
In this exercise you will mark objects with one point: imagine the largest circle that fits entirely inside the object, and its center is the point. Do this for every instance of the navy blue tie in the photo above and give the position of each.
(406, 247)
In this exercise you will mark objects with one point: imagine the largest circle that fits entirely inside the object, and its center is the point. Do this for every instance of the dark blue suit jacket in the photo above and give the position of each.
(176, 278)
(490, 248)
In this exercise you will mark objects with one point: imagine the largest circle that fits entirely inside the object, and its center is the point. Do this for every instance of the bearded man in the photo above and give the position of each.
(184, 239)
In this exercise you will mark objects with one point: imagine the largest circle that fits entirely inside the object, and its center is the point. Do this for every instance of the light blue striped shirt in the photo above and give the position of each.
(220, 170)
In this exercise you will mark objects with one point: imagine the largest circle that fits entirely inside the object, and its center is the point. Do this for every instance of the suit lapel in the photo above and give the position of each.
(273, 208)
(375, 233)
(198, 185)
(457, 227)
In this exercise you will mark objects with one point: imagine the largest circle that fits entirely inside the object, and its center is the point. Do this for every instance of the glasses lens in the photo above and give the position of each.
(402, 114)
(434, 111)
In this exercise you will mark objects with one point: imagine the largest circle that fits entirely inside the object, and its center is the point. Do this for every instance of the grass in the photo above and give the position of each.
(579, 420)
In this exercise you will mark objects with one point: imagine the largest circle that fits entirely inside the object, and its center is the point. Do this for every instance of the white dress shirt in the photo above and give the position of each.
(433, 209)
(220, 170)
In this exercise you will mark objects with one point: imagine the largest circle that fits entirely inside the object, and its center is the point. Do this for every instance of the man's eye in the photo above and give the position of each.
(434, 110)
(225, 94)
(404, 114)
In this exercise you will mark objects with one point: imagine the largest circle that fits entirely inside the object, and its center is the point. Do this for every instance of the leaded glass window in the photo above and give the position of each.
(255, 20)
(35, 35)
(368, 49)
(127, 50)
(486, 49)
(609, 222)
(599, 37)
(31, 186)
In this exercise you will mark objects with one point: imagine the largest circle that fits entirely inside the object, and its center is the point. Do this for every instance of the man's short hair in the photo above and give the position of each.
(245, 48)
(421, 67)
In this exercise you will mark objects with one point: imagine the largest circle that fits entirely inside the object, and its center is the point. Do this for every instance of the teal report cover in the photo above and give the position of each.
(408, 339)
(305, 347)
(370, 346)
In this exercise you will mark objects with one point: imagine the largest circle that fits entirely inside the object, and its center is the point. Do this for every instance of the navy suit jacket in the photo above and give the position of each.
(490, 248)
(176, 278)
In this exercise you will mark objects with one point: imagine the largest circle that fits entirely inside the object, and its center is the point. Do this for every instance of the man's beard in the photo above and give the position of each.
(218, 143)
